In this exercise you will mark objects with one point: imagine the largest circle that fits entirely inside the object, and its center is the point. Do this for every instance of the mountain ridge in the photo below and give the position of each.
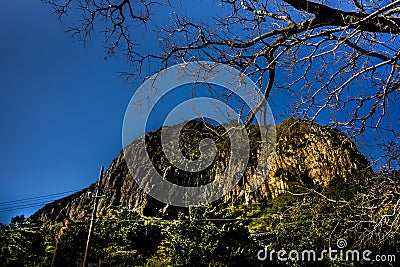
(307, 154)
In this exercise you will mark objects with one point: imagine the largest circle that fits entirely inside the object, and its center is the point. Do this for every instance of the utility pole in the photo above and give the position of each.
(93, 218)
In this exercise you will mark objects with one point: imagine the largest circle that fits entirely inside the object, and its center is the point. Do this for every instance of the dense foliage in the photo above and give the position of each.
(218, 234)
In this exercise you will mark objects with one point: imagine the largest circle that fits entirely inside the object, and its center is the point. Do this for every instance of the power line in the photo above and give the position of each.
(38, 197)
(27, 205)
(152, 220)
(31, 202)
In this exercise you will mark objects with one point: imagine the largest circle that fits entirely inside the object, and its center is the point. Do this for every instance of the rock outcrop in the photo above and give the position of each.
(307, 154)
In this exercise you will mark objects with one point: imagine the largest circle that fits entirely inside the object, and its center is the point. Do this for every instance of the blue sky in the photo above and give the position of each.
(62, 106)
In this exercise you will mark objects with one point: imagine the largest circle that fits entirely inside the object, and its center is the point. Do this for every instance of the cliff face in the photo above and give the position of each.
(307, 154)
(310, 154)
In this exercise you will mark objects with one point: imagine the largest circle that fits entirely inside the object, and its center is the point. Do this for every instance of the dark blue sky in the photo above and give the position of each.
(62, 106)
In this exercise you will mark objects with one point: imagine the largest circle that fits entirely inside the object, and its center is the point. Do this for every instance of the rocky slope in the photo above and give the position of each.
(307, 154)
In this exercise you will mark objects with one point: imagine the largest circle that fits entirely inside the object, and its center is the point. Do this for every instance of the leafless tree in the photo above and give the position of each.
(369, 215)
(333, 59)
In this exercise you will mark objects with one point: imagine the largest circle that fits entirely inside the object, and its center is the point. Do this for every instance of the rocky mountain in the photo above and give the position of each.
(307, 154)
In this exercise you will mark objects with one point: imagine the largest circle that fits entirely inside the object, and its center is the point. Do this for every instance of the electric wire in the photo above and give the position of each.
(43, 196)
(31, 202)
(153, 220)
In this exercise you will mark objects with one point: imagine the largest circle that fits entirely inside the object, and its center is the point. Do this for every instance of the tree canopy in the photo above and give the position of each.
(338, 60)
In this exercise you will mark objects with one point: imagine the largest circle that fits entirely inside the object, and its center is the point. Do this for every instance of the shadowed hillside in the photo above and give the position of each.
(319, 189)
(306, 154)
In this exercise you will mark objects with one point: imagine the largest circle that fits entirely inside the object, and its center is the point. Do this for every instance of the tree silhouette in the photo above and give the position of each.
(333, 59)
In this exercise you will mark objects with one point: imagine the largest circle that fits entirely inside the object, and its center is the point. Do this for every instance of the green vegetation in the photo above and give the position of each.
(360, 206)
(217, 235)
(129, 240)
